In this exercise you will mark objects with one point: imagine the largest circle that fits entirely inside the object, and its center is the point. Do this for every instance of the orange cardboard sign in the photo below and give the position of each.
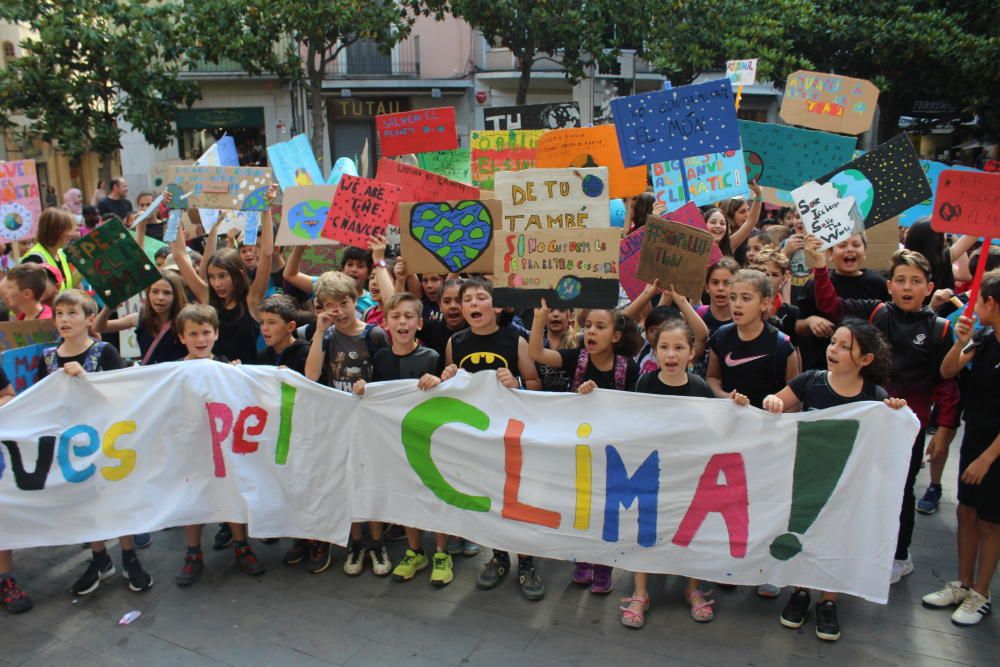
(591, 147)
(829, 102)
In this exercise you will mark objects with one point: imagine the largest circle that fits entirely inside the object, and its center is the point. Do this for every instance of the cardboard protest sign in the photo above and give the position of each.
(158, 172)
(967, 203)
(884, 182)
(785, 157)
(829, 102)
(503, 150)
(568, 268)
(112, 262)
(417, 131)
(453, 165)
(591, 147)
(675, 254)
(26, 332)
(294, 163)
(991, 166)
(704, 180)
(319, 258)
(742, 72)
(554, 198)
(883, 241)
(827, 215)
(680, 122)
(361, 207)
(239, 188)
(20, 365)
(20, 204)
(449, 237)
(417, 184)
(932, 170)
(532, 116)
(303, 215)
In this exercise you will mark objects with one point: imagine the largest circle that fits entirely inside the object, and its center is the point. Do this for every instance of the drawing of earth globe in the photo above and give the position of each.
(852, 183)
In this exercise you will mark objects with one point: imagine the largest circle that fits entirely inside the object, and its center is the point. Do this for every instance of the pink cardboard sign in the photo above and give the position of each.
(20, 204)
(420, 185)
(361, 207)
(418, 131)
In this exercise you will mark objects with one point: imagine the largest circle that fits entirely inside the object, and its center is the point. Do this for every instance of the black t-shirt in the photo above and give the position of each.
(108, 361)
(868, 285)
(435, 335)
(168, 349)
(981, 387)
(474, 352)
(755, 367)
(294, 356)
(390, 366)
(813, 390)
(650, 383)
(238, 333)
(4, 381)
(117, 207)
(603, 379)
(713, 323)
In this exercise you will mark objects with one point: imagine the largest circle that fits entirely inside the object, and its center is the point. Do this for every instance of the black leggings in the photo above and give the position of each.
(907, 514)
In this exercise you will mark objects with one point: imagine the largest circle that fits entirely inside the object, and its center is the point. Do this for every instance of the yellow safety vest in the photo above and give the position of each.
(60, 262)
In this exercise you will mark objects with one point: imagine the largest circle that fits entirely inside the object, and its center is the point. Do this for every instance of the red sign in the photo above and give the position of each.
(992, 166)
(361, 207)
(419, 185)
(967, 202)
(418, 131)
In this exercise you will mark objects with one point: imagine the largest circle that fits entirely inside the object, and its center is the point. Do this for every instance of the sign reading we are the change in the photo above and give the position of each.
(829, 102)
(360, 208)
(112, 262)
(20, 204)
(707, 489)
(554, 198)
(587, 147)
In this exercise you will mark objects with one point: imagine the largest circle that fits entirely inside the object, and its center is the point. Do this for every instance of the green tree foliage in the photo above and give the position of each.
(91, 64)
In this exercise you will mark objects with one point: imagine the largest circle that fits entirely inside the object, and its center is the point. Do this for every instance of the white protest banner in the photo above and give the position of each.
(694, 487)
(827, 215)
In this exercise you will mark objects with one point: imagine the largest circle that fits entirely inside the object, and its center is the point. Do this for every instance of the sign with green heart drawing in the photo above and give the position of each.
(449, 237)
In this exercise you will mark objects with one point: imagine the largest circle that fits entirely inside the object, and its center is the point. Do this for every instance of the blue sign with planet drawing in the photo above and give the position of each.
(784, 157)
(677, 123)
(922, 210)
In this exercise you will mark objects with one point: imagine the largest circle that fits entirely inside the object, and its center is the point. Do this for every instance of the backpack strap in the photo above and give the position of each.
(879, 314)
(92, 361)
(701, 309)
(51, 362)
(621, 371)
(368, 341)
(581, 370)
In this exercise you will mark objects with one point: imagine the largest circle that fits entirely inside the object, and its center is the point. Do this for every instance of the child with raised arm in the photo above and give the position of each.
(154, 322)
(75, 313)
(857, 360)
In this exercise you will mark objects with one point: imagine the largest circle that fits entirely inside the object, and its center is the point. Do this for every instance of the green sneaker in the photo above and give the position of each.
(411, 564)
(442, 574)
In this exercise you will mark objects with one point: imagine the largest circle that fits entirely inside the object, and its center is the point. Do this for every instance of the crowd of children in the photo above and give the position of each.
(775, 328)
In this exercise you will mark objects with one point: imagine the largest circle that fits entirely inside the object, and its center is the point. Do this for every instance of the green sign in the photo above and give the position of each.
(112, 262)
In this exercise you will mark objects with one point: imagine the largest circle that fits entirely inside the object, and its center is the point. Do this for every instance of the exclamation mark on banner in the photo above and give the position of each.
(822, 449)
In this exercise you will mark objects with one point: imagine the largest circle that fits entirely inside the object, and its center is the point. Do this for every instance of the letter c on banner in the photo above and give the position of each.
(418, 428)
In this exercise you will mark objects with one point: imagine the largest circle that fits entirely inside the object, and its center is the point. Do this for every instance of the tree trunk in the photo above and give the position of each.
(888, 118)
(526, 61)
(318, 110)
(106, 171)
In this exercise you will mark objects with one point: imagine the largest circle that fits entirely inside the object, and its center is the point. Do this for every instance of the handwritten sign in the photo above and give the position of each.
(303, 215)
(239, 188)
(532, 116)
(991, 166)
(785, 157)
(554, 198)
(20, 365)
(932, 170)
(26, 332)
(112, 262)
(492, 151)
(453, 237)
(742, 72)
(417, 184)
(705, 179)
(20, 204)
(829, 102)
(417, 131)
(294, 163)
(591, 147)
(676, 123)
(569, 269)
(967, 203)
(453, 164)
(675, 254)
(360, 208)
(825, 214)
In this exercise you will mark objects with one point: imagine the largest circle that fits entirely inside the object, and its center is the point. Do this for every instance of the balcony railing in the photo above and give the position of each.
(364, 60)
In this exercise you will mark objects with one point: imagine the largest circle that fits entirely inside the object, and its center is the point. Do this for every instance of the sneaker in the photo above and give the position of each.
(223, 538)
(411, 564)
(97, 571)
(532, 587)
(974, 608)
(320, 557)
(297, 552)
(827, 624)
(142, 540)
(395, 533)
(247, 561)
(381, 565)
(455, 546)
(470, 549)
(194, 565)
(138, 579)
(583, 573)
(16, 600)
(952, 594)
(794, 613)
(493, 573)
(932, 497)
(355, 563)
(602, 583)
(442, 573)
(901, 568)
(768, 591)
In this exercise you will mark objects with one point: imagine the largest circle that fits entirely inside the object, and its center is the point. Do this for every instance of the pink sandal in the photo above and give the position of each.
(632, 618)
(701, 609)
